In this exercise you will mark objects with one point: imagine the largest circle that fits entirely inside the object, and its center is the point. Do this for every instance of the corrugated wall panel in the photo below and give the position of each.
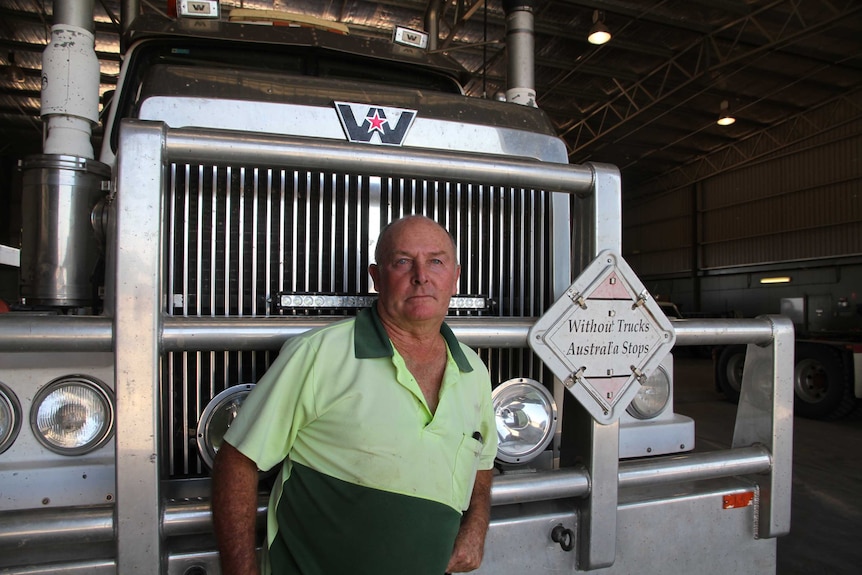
(657, 235)
(798, 206)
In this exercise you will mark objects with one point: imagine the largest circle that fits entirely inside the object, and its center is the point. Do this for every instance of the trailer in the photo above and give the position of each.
(244, 175)
(821, 299)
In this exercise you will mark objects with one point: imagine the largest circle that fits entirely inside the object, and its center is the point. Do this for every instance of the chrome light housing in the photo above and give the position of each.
(10, 417)
(649, 425)
(73, 415)
(652, 397)
(216, 418)
(526, 419)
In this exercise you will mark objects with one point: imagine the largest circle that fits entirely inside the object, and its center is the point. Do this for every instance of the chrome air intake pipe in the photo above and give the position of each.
(59, 252)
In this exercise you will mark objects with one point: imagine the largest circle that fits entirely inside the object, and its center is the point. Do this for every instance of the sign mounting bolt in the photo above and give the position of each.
(642, 297)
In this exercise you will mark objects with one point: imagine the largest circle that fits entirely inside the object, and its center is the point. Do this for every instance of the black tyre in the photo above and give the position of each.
(820, 384)
(728, 371)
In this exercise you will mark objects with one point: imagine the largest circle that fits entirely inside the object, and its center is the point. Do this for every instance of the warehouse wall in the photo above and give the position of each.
(706, 246)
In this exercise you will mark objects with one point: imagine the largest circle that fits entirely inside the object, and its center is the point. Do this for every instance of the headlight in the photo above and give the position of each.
(10, 417)
(652, 397)
(217, 417)
(526, 418)
(73, 415)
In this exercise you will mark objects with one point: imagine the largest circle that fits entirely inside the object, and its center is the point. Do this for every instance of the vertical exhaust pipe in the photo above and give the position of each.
(520, 45)
(432, 23)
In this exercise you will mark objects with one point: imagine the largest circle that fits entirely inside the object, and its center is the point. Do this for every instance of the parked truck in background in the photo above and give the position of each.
(822, 299)
(244, 174)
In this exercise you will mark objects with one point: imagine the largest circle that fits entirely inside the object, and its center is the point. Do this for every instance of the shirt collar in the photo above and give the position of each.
(370, 339)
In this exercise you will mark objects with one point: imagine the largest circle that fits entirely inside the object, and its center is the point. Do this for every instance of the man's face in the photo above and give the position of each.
(416, 275)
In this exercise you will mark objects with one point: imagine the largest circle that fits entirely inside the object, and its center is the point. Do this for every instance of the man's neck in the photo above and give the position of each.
(417, 340)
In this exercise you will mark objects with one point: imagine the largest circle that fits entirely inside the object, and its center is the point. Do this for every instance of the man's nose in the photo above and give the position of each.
(420, 275)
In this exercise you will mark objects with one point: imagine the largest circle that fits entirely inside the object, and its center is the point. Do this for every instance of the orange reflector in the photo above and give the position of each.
(738, 500)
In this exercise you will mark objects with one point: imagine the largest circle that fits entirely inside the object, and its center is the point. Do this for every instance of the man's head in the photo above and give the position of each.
(416, 273)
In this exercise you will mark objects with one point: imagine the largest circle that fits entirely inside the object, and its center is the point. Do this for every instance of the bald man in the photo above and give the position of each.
(383, 428)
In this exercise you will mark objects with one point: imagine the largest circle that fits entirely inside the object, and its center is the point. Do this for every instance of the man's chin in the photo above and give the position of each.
(424, 312)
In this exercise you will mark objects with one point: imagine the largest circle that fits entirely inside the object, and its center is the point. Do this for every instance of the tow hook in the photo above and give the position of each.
(564, 536)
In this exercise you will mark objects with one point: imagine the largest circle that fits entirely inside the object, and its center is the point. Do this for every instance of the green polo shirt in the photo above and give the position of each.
(373, 482)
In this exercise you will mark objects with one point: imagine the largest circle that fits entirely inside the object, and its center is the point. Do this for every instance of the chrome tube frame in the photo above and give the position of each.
(140, 331)
(78, 333)
(188, 517)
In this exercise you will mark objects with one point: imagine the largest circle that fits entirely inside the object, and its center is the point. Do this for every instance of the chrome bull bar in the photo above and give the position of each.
(138, 332)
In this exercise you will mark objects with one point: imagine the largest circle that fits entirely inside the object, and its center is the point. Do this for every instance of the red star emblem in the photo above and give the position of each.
(376, 121)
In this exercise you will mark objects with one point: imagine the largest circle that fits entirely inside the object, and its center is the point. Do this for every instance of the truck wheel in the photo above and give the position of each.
(728, 372)
(820, 384)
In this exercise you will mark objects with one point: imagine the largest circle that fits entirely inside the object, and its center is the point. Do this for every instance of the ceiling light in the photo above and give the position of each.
(776, 280)
(599, 33)
(725, 118)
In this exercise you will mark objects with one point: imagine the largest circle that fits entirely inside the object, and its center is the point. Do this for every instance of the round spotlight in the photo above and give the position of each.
(73, 415)
(217, 417)
(652, 397)
(526, 418)
(10, 417)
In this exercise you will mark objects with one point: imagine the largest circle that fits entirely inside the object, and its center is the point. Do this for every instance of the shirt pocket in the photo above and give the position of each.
(466, 464)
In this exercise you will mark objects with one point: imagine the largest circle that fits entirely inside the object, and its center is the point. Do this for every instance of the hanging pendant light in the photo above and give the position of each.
(725, 118)
(599, 33)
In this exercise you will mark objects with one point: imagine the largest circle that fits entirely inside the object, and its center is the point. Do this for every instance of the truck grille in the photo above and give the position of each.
(238, 235)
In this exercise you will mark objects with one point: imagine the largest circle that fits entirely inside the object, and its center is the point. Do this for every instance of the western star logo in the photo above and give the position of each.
(374, 124)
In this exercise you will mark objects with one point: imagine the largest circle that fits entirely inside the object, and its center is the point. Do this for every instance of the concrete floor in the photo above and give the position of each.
(826, 508)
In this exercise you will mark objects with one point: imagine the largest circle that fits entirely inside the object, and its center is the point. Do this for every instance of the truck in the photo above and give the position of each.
(821, 299)
(244, 173)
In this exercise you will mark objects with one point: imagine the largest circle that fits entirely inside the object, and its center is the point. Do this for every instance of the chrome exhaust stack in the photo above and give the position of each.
(520, 45)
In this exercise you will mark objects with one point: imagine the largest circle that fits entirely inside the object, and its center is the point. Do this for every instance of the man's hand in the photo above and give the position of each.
(234, 508)
(470, 542)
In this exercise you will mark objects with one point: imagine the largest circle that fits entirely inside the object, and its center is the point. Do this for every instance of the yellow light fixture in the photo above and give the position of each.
(599, 33)
(725, 118)
(776, 280)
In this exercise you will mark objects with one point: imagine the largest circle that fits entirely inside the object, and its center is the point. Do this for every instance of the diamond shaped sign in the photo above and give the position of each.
(603, 336)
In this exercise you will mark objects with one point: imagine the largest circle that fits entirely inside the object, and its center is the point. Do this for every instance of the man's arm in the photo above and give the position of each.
(470, 542)
(234, 508)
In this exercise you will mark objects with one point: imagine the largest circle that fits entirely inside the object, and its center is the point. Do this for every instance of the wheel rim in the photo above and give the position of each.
(734, 370)
(810, 381)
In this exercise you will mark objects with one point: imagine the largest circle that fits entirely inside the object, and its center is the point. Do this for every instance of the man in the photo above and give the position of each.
(385, 426)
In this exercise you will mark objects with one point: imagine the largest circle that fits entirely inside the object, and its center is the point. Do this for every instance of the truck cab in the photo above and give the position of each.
(245, 173)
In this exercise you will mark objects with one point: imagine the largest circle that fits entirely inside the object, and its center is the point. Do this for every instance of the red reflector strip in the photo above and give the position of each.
(738, 500)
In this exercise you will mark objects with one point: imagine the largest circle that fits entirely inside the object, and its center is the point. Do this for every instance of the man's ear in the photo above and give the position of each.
(374, 272)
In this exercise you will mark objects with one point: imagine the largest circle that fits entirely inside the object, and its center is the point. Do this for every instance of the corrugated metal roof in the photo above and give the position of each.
(647, 101)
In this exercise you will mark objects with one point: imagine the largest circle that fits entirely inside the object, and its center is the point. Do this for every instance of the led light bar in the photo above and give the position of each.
(309, 302)
(320, 301)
